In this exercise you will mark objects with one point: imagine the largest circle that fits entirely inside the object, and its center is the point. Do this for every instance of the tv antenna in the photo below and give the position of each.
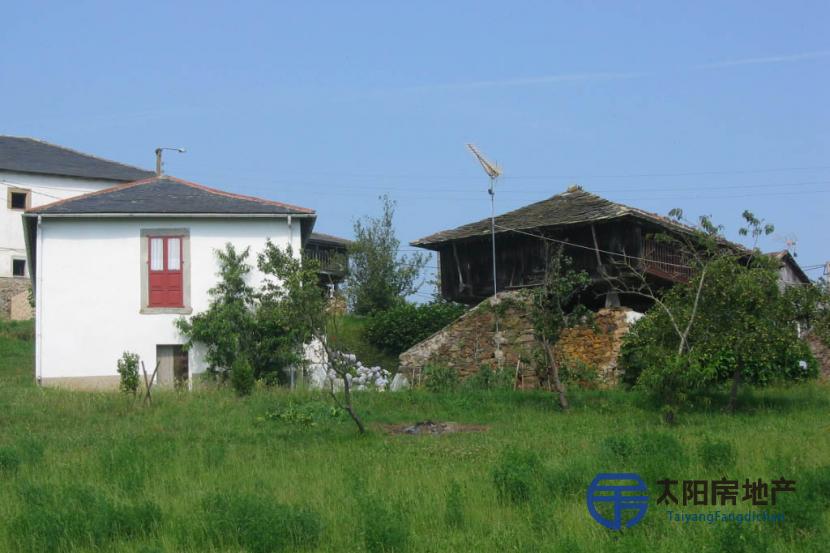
(160, 162)
(494, 172)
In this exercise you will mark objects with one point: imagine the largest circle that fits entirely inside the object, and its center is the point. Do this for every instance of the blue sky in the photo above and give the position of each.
(714, 107)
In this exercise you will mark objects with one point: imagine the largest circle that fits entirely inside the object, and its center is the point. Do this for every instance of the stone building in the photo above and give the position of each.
(605, 239)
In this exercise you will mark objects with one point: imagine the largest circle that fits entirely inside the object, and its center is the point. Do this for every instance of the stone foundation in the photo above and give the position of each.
(469, 342)
(822, 355)
(14, 298)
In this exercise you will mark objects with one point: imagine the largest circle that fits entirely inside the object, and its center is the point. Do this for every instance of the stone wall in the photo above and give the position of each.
(822, 355)
(14, 298)
(469, 342)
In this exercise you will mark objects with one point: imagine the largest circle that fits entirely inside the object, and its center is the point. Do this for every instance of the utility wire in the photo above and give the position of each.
(593, 249)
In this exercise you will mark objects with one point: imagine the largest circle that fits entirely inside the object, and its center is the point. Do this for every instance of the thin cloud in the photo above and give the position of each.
(770, 59)
(528, 81)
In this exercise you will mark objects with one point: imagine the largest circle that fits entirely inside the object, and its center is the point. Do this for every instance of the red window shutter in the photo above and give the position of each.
(165, 269)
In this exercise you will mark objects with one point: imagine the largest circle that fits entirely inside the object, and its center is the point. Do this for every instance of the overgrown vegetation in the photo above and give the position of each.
(91, 472)
(555, 307)
(731, 323)
(402, 326)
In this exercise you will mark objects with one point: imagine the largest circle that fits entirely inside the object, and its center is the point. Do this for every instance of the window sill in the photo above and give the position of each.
(166, 310)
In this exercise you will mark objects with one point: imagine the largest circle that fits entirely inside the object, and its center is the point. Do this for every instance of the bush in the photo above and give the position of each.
(304, 413)
(488, 379)
(128, 371)
(242, 377)
(438, 378)
(259, 524)
(516, 476)
(580, 373)
(401, 327)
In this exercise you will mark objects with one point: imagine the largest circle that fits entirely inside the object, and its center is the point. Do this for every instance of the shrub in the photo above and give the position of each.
(128, 372)
(488, 379)
(716, 454)
(401, 327)
(9, 460)
(438, 378)
(259, 524)
(454, 511)
(307, 413)
(516, 475)
(580, 373)
(385, 527)
(242, 376)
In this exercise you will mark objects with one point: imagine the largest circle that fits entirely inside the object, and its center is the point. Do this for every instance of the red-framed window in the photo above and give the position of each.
(165, 270)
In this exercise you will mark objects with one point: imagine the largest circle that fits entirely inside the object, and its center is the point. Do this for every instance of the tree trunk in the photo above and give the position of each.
(733, 394)
(557, 382)
(348, 397)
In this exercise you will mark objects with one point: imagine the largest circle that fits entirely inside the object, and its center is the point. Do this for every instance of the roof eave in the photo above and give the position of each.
(35, 214)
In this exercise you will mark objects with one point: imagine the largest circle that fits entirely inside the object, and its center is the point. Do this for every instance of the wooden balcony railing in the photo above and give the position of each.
(664, 260)
(331, 261)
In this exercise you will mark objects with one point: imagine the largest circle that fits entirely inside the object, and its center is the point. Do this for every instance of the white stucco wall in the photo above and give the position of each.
(44, 189)
(89, 292)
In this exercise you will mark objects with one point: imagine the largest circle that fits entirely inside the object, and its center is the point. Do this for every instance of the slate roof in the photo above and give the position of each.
(165, 195)
(28, 155)
(329, 239)
(576, 206)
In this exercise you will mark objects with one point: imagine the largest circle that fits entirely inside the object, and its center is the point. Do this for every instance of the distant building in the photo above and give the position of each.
(33, 173)
(332, 254)
(596, 233)
(790, 273)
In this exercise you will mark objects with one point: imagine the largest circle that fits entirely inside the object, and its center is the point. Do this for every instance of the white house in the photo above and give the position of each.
(34, 173)
(112, 270)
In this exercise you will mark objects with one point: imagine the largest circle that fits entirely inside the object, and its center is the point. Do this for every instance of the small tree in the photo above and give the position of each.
(227, 327)
(555, 308)
(729, 323)
(378, 277)
(291, 288)
(128, 371)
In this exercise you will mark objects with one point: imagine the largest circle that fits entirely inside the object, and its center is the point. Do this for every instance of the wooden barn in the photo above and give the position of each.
(596, 233)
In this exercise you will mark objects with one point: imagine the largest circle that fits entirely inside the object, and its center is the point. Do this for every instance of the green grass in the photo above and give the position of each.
(208, 472)
(350, 336)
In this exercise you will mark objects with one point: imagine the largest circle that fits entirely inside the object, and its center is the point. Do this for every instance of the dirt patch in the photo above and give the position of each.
(433, 428)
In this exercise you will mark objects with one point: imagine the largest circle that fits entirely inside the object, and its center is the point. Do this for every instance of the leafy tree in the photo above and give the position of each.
(554, 308)
(238, 324)
(378, 277)
(227, 328)
(291, 288)
(730, 323)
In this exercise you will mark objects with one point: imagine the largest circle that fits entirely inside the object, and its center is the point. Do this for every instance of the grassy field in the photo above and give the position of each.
(207, 471)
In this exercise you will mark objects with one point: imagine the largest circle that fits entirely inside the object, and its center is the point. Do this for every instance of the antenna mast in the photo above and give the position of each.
(493, 171)
(160, 162)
